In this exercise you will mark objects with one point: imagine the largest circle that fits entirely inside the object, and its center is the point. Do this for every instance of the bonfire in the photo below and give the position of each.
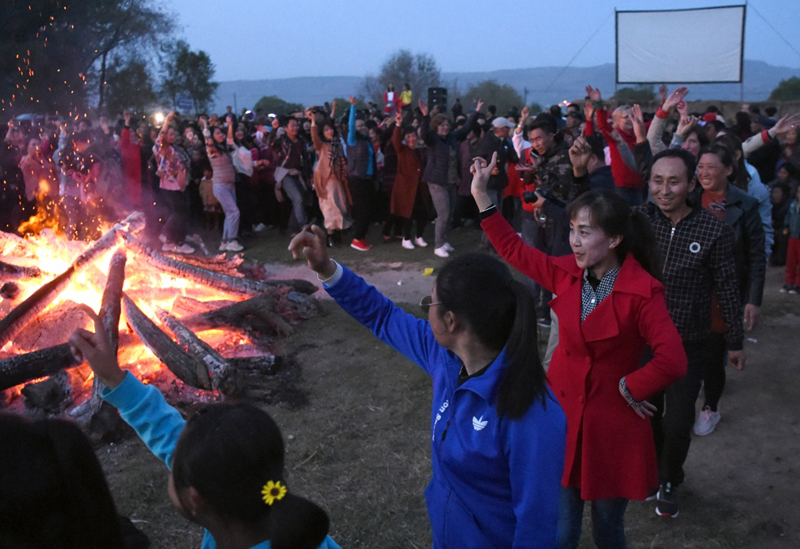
(195, 324)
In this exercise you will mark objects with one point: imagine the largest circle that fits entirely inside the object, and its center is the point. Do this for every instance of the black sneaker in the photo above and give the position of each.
(667, 501)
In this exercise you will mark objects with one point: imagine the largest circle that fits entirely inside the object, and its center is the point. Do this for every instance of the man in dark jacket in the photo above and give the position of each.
(361, 179)
(697, 250)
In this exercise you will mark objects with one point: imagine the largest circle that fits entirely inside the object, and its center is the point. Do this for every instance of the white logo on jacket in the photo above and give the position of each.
(694, 247)
(479, 424)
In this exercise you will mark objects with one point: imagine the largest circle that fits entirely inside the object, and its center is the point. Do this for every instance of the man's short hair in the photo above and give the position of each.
(544, 122)
(686, 157)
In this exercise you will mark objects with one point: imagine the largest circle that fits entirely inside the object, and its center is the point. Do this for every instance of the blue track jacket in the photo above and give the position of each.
(159, 425)
(496, 482)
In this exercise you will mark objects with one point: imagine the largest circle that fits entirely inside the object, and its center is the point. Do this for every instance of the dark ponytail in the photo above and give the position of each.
(615, 217)
(228, 453)
(500, 312)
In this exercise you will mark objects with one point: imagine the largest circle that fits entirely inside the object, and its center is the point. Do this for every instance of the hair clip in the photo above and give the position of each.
(273, 491)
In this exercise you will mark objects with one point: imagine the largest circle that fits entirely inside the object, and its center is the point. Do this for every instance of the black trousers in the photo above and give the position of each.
(363, 192)
(674, 418)
(714, 373)
(175, 212)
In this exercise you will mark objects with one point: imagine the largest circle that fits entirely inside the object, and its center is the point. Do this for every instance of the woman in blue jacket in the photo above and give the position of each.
(497, 432)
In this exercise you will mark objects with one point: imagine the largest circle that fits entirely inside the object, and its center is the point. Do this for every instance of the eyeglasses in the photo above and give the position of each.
(427, 302)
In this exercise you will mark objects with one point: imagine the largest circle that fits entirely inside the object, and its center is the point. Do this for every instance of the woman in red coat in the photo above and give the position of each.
(610, 307)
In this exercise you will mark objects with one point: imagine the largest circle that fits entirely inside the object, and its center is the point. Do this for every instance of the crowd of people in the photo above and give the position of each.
(644, 240)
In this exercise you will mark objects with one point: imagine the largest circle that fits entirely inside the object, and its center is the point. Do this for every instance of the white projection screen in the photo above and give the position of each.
(680, 46)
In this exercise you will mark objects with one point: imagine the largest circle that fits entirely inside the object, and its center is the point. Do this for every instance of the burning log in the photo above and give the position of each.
(239, 314)
(110, 310)
(8, 270)
(11, 325)
(45, 362)
(188, 369)
(52, 395)
(186, 306)
(50, 360)
(11, 244)
(241, 286)
(223, 377)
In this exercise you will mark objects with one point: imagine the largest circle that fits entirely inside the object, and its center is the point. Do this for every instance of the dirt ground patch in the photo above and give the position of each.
(360, 449)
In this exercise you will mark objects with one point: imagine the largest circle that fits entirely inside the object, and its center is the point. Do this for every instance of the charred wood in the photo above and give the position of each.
(45, 362)
(223, 377)
(185, 367)
(242, 286)
(9, 270)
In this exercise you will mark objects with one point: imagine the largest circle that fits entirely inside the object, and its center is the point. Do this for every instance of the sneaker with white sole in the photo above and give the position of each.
(667, 501)
(786, 288)
(234, 246)
(448, 247)
(707, 422)
(360, 245)
(408, 245)
(419, 241)
(441, 252)
(176, 249)
(260, 228)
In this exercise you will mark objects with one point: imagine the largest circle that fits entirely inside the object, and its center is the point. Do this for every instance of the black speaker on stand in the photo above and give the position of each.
(437, 96)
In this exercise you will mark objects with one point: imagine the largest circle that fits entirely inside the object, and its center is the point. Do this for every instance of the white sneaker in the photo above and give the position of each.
(421, 242)
(441, 252)
(408, 245)
(707, 422)
(182, 249)
(260, 228)
(223, 246)
(448, 247)
(162, 238)
(234, 246)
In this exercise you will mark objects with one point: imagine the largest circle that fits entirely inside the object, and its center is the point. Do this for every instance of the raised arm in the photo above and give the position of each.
(351, 123)
(406, 333)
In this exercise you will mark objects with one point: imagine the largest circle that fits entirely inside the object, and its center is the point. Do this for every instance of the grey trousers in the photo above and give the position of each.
(226, 194)
(441, 195)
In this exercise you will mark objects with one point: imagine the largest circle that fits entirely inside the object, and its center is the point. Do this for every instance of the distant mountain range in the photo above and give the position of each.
(545, 85)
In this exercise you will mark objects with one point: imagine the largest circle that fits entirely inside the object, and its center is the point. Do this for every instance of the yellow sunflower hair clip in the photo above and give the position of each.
(273, 491)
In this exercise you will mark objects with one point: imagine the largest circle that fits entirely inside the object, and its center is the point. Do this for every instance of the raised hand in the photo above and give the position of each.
(786, 123)
(593, 93)
(96, 348)
(481, 172)
(588, 110)
(638, 124)
(479, 105)
(683, 108)
(127, 116)
(423, 107)
(311, 243)
(524, 114)
(398, 118)
(352, 100)
(579, 154)
(662, 93)
(685, 125)
(674, 98)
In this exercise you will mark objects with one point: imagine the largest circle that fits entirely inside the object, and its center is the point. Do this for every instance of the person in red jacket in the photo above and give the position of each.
(610, 307)
(621, 141)
(131, 164)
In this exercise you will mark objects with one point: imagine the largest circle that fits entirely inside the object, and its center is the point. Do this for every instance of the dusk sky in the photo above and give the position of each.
(256, 39)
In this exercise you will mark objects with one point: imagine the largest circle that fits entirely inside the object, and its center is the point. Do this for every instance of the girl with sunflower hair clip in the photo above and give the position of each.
(227, 461)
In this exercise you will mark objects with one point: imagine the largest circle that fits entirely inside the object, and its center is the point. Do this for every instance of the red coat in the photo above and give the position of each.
(610, 449)
(131, 167)
(407, 182)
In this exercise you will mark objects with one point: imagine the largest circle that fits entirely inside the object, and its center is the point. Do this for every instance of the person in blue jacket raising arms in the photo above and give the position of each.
(226, 461)
(497, 432)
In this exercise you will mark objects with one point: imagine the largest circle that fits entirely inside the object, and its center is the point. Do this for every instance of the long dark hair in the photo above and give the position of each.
(615, 217)
(500, 311)
(52, 489)
(228, 452)
(740, 176)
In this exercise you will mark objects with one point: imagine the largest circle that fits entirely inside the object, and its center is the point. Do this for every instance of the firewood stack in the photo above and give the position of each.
(208, 324)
